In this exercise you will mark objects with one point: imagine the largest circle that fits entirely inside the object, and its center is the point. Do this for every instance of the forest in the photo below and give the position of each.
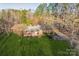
(52, 29)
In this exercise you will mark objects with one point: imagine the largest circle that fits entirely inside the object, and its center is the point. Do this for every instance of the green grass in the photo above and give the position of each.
(31, 46)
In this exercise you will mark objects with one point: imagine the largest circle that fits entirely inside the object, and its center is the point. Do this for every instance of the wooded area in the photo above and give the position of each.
(59, 21)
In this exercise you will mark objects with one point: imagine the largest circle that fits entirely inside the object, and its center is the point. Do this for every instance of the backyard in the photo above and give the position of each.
(13, 44)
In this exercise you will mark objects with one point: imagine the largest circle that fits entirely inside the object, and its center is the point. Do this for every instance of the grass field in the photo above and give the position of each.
(31, 46)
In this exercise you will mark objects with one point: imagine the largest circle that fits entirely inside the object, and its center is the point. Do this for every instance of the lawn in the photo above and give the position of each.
(14, 45)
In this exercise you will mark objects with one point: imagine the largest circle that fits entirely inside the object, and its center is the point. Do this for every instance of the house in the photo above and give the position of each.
(33, 31)
(24, 30)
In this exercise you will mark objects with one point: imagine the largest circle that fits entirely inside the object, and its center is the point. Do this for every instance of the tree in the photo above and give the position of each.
(41, 9)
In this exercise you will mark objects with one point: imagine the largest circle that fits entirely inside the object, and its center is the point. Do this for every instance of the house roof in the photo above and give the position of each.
(26, 28)
(19, 26)
(33, 28)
